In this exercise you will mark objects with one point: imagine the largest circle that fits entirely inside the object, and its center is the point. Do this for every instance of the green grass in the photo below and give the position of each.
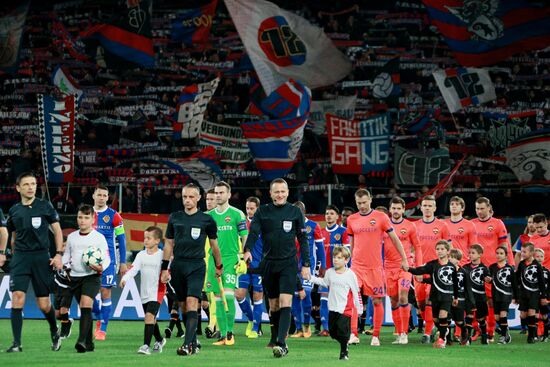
(125, 338)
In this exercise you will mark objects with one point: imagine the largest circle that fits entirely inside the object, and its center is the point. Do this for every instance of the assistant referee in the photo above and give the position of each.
(279, 224)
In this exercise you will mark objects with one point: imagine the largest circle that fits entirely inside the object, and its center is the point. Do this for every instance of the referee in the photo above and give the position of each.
(29, 221)
(279, 224)
(185, 237)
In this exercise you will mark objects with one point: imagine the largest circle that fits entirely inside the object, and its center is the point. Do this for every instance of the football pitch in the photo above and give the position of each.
(125, 337)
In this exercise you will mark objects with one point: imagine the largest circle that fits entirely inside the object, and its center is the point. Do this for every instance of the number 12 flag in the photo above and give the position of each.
(283, 46)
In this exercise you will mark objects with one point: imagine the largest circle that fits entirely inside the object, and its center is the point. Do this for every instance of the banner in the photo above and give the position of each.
(229, 142)
(420, 167)
(191, 107)
(359, 146)
(275, 143)
(343, 107)
(386, 83)
(529, 158)
(283, 45)
(12, 23)
(462, 87)
(505, 128)
(66, 83)
(192, 26)
(484, 33)
(56, 122)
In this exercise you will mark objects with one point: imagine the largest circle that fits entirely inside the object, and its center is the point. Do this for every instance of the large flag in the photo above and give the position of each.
(529, 158)
(283, 45)
(128, 36)
(359, 146)
(228, 141)
(413, 167)
(386, 83)
(56, 121)
(463, 87)
(12, 22)
(191, 107)
(503, 129)
(486, 32)
(275, 143)
(66, 84)
(193, 25)
(201, 167)
(343, 106)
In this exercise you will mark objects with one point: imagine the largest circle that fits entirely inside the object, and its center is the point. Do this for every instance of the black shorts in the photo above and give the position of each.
(441, 305)
(457, 313)
(151, 307)
(544, 310)
(187, 278)
(501, 305)
(480, 307)
(279, 276)
(529, 301)
(62, 297)
(26, 267)
(85, 286)
(339, 326)
(204, 296)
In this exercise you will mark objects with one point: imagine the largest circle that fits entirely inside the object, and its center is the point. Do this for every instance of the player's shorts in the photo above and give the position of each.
(62, 298)
(279, 276)
(187, 278)
(372, 282)
(501, 305)
(529, 301)
(489, 290)
(440, 305)
(31, 266)
(228, 277)
(85, 286)
(480, 307)
(457, 313)
(339, 326)
(397, 280)
(245, 280)
(151, 307)
(108, 276)
(422, 291)
(543, 310)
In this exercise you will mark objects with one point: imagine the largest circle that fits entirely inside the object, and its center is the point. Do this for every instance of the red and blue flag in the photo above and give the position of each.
(192, 26)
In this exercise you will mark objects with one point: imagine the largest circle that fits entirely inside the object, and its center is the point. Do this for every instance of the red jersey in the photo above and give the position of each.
(490, 233)
(428, 235)
(406, 231)
(367, 231)
(463, 234)
(542, 242)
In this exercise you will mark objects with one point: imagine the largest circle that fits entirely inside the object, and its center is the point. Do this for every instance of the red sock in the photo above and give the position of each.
(378, 319)
(396, 316)
(540, 324)
(428, 318)
(405, 311)
(491, 321)
(458, 331)
(354, 321)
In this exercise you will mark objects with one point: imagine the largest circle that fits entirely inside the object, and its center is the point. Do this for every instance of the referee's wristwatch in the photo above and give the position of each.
(59, 253)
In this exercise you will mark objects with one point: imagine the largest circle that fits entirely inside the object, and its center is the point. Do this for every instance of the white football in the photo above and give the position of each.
(92, 256)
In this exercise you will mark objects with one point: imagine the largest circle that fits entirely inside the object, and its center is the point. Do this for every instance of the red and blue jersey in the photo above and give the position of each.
(316, 246)
(257, 250)
(109, 223)
(334, 236)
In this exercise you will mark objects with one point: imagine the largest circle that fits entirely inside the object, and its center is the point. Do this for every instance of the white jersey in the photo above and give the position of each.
(343, 291)
(77, 244)
(151, 288)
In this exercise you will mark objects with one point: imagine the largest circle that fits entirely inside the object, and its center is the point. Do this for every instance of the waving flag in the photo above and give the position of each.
(529, 158)
(128, 36)
(12, 21)
(462, 87)
(283, 46)
(192, 26)
(56, 121)
(275, 143)
(486, 32)
(66, 84)
(201, 167)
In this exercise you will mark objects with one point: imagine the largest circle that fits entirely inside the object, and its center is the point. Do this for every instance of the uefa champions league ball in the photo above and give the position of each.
(92, 256)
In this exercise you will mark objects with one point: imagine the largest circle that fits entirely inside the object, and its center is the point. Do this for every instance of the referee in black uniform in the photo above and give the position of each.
(185, 237)
(29, 221)
(3, 238)
(280, 224)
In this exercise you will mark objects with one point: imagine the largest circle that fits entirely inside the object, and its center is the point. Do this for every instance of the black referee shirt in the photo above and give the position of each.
(2, 219)
(279, 227)
(189, 234)
(30, 222)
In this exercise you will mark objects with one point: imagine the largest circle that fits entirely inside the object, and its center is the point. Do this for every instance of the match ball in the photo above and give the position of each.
(92, 256)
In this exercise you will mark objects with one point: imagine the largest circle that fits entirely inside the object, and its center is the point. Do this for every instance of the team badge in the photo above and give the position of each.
(461, 230)
(227, 219)
(435, 230)
(36, 222)
(287, 226)
(195, 233)
(373, 222)
(490, 228)
(403, 231)
(308, 229)
(106, 218)
(337, 237)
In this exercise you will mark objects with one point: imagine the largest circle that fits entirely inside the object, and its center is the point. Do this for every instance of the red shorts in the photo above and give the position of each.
(422, 291)
(489, 290)
(372, 282)
(397, 280)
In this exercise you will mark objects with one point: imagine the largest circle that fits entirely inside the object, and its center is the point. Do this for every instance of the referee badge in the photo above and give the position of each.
(36, 222)
(287, 225)
(195, 233)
